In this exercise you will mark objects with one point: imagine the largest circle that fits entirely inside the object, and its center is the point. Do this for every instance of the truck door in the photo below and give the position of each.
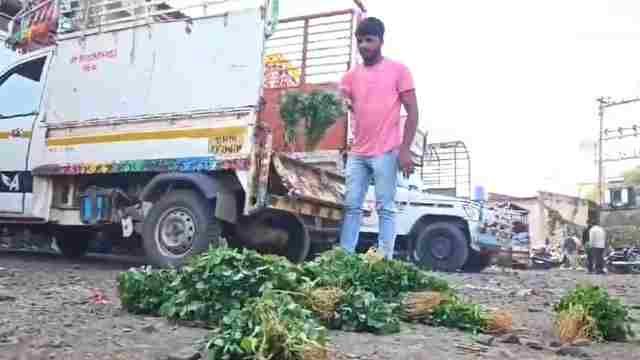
(20, 94)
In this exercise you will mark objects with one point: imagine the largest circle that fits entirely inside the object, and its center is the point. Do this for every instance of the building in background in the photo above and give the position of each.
(620, 213)
(551, 216)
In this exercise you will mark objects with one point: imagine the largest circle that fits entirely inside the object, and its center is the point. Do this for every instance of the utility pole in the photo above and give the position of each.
(601, 105)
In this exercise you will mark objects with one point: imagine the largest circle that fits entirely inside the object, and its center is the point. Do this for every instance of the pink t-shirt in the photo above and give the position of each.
(375, 95)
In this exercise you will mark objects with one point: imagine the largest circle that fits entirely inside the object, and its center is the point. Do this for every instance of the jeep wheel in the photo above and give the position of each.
(441, 246)
(179, 225)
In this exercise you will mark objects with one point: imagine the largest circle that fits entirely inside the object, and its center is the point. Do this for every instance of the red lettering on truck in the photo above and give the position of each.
(88, 61)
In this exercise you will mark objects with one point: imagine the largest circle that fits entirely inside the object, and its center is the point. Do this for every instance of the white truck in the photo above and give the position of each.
(156, 124)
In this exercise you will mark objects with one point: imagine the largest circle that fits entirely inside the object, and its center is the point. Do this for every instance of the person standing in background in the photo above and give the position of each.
(375, 92)
(597, 242)
(587, 247)
(569, 249)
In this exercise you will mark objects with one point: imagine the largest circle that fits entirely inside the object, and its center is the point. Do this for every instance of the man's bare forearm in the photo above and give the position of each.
(410, 127)
(410, 103)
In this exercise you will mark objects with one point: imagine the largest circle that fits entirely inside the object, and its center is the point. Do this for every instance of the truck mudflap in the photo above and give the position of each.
(304, 189)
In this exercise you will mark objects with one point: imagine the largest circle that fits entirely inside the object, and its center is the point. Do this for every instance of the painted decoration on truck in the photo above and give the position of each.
(329, 136)
(15, 134)
(192, 164)
(308, 116)
(16, 182)
(279, 73)
(35, 26)
(231, 143)
(221, 140)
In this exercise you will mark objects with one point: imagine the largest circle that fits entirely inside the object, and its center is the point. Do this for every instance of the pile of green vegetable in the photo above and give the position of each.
(272, 326)
(590, 312)
(269, 308)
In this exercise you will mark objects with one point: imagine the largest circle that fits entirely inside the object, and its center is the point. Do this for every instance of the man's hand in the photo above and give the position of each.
(347, 104)
(410, 103)
(406, 162)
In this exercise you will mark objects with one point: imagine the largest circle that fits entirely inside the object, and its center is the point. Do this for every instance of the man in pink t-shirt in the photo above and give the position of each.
(375, 93)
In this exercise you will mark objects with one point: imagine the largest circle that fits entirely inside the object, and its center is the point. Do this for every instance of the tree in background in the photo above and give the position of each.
(315, 113)
(632, 177)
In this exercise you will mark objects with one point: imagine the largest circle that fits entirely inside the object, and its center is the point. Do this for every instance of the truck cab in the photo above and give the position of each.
(21, 93)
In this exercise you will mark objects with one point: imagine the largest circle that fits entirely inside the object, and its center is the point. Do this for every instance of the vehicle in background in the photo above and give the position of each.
(624, 261)
(504, 233)
(439, 232)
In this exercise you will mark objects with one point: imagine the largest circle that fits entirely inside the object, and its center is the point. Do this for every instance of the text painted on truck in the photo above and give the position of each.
(88, 62)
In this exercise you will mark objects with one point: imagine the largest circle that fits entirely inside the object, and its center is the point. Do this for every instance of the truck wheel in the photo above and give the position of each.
(476, 262)
(275, 232)
(441, 246)
(73, 243)
(179, 225)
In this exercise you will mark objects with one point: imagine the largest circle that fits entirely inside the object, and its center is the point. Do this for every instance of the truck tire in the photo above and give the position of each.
(275, 232)
(180, 224)
(441, 246)
(476, 262)
(73, 243)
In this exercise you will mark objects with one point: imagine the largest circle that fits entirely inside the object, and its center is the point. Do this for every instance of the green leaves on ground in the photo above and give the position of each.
(362, 311)
(455, 313)
(612, 318)
(144, 291)
(261, 302)
(223, 280)
(272, 326)
(385, 279)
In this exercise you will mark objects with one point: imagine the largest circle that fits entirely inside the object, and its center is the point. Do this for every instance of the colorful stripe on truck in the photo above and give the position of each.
(224, 140)
(7, 135)
(191, 164)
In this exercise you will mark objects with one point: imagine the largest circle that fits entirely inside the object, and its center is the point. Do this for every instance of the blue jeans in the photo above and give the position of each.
(360, 170)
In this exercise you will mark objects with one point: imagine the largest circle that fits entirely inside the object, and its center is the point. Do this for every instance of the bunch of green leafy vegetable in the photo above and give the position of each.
(362, 311)
(227, 282)
(613, 319)
(455, 313)
(223, 280)
(144, 291)
(387, 280)
(272, 326)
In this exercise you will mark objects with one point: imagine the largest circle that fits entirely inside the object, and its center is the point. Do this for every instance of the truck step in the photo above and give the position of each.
(10, 218)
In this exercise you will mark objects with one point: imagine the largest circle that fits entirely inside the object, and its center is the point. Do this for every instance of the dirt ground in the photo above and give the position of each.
(53, 308)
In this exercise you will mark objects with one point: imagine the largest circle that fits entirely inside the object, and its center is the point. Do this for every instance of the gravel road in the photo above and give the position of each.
(53, 308)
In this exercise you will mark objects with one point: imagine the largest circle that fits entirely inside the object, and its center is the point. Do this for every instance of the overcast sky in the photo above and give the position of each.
(517, 80)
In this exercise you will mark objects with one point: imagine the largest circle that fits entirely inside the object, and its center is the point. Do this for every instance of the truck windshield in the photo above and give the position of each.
(21, 88)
